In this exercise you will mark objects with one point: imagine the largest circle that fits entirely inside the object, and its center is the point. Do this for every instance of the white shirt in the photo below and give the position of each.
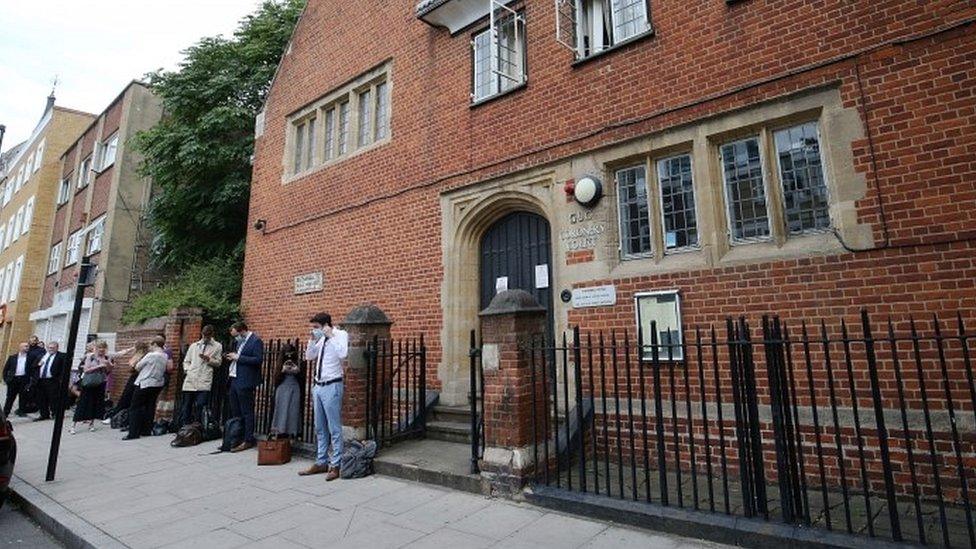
(152, 369)
(233, 365)
(46, 362)
(328, 355)
(21, 365)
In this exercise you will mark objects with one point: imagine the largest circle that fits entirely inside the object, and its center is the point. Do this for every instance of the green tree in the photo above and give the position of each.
(199, 154)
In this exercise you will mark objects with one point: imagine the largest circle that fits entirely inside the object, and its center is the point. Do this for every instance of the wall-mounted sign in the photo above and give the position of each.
(542, 276)
(309, 283)
(596, 296)
(501, 284)
(583, 237)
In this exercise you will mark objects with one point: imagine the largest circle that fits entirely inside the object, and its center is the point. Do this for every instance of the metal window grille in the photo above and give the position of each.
(745, 191)
(499, 54)
(801, 172)
(343, 128)
(329, 133)
(382, 110)
(629, 18)
(635, 223)
(365, 118)
(678, 202)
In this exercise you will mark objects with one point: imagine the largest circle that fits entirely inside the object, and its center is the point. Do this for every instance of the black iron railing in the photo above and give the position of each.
(476, 402)
(853, 430)
(396, 389)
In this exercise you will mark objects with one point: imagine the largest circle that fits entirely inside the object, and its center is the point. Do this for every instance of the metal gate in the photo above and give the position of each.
(396, 390)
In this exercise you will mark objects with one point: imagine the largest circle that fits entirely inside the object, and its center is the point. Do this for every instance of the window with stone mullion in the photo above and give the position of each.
(632, 204)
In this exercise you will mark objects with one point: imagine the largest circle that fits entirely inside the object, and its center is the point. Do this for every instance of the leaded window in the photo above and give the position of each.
(677, 202)
(805, 199)
(745, 190)
(365, 118)
(635, 223)
(382, 110)
(499, 66)
(343, 128)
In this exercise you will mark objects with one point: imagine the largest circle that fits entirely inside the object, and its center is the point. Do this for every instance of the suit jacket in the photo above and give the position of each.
(57, 366)
(249, 360)
(10, 368)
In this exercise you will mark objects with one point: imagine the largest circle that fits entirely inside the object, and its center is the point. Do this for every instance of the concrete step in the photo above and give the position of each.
(449, 431)
(460, 414)
(446, 464)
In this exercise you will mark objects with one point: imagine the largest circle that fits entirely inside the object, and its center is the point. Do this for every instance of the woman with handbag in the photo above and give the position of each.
(288, 394)
(91, 403)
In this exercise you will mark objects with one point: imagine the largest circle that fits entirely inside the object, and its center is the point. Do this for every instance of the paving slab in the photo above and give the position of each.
(145, 494)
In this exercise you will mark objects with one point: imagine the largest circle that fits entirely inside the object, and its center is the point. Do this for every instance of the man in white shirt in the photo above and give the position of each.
(150, 378)
(16, 374)
(327, 349)
(48, 372)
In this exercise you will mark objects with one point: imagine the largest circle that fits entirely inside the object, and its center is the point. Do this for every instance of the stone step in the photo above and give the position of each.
(449, 431)
(437, 462)
(459, 414)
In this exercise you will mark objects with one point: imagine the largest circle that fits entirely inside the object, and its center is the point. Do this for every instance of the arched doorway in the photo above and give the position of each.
(516, 253)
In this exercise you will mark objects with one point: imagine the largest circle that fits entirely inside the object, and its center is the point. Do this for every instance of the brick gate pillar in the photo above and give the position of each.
(183, 326)
(512, 318)
(363, 324)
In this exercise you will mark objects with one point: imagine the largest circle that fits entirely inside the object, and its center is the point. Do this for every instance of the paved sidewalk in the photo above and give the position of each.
(146, 494)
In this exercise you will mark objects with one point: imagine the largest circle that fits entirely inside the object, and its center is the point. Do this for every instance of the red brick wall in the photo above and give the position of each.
(372, 222)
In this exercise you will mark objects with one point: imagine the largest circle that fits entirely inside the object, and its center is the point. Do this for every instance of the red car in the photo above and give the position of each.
(8, 454)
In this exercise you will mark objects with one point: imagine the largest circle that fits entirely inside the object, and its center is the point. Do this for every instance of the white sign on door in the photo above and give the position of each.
(542, 276)
(501, 284)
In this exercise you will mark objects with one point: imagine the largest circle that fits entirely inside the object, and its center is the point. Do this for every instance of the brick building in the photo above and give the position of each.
(807, 159)
(28, 186)
(99, 209)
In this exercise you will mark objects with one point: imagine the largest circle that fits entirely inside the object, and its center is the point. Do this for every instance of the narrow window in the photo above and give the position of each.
(635, 224)
(64, 191)
(28, 214)
(664, 310)
(74, 245)
(330, 133)
(629, 18)
(365, 134)
(84, 175)
(54, 263)
(8, 279)
(745, 190)
(677, 203)
(382, 110)
(108, 151)
(309, 155)
(18, 271)
(39, 155)
(299, 147)
(343, 128)
(498, 65)
(95, 237)
(801, 172)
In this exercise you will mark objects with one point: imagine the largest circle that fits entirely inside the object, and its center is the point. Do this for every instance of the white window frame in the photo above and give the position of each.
(3, 233)
(18, 273)
(28, 215)
(574, 11)
(64, 190)
(8, 279)
(497, 85)
(84, 172)
(18, 223)
(107, 151)
(73, 249)
(54, 259)
(725, 193)
(8, 191)
(10, 231)
(677, 353)
(39, 155)
(96, 234)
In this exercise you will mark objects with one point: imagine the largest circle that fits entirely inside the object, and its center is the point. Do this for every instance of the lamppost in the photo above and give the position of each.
(86, 278)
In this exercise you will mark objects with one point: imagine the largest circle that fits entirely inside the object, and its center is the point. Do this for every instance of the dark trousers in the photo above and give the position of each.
(15, 388)
(191, 406)
(242, 406)
(142, 411)
(47, 396)
(125, 401)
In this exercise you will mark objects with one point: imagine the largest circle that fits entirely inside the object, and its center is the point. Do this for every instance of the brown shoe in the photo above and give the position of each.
(315, 469)
(333, 474)
(242, 446)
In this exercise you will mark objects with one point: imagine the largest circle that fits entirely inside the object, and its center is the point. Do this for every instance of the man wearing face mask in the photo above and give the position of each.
(326, 350)
(245, 377)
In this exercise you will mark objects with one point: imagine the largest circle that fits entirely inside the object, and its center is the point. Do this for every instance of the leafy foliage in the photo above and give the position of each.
(214, 286)
(199, 155)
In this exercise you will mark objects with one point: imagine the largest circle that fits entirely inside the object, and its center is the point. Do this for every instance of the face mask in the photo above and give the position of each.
(317, 333)
(240, 339)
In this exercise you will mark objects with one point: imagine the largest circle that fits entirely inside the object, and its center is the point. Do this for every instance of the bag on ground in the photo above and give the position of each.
(190, 434)
(161, 428)
(211, 429)
(120, 420)
(274, 451)
(357, 458)
(233, 434)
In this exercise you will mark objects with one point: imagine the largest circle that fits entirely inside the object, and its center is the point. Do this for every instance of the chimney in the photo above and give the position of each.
(50, 102)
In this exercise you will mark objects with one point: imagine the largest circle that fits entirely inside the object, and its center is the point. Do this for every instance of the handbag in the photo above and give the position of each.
(93, 379)
(274, 451)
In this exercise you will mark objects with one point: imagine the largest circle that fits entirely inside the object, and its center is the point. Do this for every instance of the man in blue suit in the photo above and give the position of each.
(245, 377)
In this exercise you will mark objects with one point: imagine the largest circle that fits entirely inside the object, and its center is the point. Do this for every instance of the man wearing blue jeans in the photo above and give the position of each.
(327, 348)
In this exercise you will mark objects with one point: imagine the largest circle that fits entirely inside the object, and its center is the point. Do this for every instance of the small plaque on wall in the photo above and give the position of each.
(596, 296)
(309, 283)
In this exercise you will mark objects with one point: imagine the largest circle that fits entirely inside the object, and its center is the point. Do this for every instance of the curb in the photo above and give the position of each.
(64, 525)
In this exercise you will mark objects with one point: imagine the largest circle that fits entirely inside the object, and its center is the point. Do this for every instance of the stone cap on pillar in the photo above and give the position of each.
(512, 302)
(367, 315)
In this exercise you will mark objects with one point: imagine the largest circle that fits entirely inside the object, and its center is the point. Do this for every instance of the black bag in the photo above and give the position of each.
(190, 434)
(357, 458)
(120, 420)
(211, 429)
(233, 434)
(28, 399)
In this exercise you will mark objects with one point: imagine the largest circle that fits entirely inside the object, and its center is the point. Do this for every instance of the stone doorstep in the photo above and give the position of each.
(436, 462)
(720, 528)
(63, 525)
